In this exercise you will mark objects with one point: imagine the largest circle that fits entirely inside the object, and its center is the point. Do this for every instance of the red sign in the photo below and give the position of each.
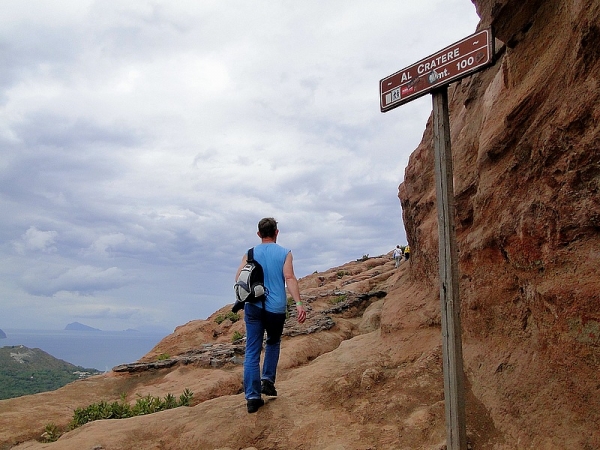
(450, 64)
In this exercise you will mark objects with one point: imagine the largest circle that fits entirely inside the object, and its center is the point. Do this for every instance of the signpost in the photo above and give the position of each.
(440, 69)
(433, 74)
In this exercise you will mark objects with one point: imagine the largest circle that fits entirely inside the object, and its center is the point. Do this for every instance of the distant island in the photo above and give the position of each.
(2, 335)
(76, 326)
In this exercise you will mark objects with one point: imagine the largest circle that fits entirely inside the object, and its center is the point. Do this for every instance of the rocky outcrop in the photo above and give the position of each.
(526, 150)
(210, 355)
(346, 304)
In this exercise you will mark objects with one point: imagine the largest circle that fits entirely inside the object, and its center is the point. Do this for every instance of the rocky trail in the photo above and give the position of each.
(340, 384)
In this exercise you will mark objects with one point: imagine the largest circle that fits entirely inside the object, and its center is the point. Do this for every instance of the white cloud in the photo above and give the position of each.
(118, 243)
(35, 240)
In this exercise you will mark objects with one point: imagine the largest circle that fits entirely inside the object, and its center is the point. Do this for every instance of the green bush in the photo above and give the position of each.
(338, 299)
(123, 410)
(163, 356)
(234, 317)
(185, 399)
(170, 401)
(51, 433)
(236, 336)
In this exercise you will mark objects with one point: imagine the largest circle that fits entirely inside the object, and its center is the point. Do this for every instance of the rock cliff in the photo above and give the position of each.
(526, 147)
(365, 371)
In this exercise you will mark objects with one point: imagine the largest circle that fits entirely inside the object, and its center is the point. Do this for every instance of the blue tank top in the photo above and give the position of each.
(272, 257)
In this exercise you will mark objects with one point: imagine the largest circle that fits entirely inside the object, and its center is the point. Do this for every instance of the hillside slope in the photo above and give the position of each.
(369, 377)
(26, 370)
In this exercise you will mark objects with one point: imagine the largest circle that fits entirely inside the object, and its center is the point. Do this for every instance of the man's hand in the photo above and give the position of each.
(301, 313)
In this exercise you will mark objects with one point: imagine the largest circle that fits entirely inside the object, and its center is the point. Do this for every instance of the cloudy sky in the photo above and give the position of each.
(141, 142)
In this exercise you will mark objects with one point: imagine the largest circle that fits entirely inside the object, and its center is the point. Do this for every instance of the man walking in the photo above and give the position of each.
(278, 269)
(397, 255)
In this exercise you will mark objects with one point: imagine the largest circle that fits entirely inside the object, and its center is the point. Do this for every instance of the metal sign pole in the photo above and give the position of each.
(456, 434)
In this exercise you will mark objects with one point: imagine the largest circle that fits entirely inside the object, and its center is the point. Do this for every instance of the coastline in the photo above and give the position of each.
(101, 350)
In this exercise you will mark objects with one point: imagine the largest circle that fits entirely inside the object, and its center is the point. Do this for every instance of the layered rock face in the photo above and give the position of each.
(526, 154)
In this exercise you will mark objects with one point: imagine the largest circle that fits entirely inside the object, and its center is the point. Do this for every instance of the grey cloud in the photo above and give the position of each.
(80, 279)
(36, 240)
(110, 313)
(49, 129)
(119, 244)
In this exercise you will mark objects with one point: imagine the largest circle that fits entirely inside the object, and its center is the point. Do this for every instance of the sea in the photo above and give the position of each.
(101, 350)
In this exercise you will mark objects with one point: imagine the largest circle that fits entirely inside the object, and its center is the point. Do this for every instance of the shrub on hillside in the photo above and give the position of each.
(122, 410)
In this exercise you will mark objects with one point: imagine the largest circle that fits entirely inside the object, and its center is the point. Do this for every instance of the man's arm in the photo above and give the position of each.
(292, 284)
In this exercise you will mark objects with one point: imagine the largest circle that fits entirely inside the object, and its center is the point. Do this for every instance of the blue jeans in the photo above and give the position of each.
(257, 322)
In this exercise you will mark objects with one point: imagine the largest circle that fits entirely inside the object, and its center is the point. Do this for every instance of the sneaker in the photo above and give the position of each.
(268, 388)
(253, 404)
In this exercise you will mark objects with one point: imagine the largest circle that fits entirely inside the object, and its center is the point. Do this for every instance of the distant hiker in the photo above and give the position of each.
(397, 255)
(407, 252)
(278, 267)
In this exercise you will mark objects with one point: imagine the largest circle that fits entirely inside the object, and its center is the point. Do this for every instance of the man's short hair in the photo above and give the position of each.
(267, 227)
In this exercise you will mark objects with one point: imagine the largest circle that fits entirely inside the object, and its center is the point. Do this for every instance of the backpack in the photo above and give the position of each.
(250, 285)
